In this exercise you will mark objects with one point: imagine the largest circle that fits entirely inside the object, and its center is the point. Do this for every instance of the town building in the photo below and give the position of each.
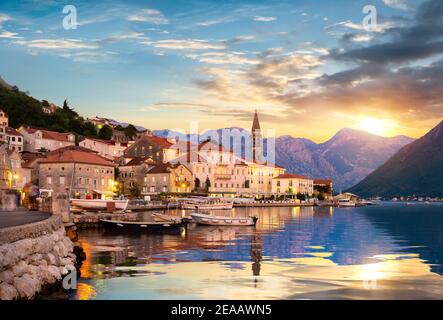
(324, 188)
(30, 161)
(292, 184)
(132, 173)
(5, 168)
(78, 172)
(13, 176)
(20, 174)
(50, 108)
(14, 139)
(36, 139)
(107, 148)
(157, 148)
(168, 178)
(4, 123)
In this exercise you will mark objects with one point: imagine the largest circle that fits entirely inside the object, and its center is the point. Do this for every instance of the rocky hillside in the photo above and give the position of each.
(417, 169)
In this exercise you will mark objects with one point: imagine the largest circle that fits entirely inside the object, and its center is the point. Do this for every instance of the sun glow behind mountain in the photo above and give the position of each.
(381, 127)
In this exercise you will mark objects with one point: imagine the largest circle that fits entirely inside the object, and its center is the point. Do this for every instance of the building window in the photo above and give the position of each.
(62, 180)
(49, 180)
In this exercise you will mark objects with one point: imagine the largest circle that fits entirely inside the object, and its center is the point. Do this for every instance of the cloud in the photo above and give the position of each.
(151, 16)
(268, 77)
(188, 44)
(397, 4)
(123, 37)
(3, 18)
(357, 37)
(89, 56)
(379, 28)
(57, 44)
(223, 58)
(264, 19)
(9, 35)
(213, 22)
(240, 39)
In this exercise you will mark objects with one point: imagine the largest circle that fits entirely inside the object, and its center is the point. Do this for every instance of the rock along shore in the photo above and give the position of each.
(33, 258)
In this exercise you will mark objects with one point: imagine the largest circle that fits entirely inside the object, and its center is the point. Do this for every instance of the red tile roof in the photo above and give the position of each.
(50, 135)
(76, 155)
(291, 176)
(108, 142)
(12, 132)
(136, 161)
(322, 181)
(163, 142)
(159, 168)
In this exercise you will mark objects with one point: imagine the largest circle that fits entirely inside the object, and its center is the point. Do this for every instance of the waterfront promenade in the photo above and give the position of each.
(21, 217)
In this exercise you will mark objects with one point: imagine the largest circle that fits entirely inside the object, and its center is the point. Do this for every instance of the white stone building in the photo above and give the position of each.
(106, 148)
(36, 139)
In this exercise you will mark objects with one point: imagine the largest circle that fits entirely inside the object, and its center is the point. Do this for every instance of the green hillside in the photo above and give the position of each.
(25, 110)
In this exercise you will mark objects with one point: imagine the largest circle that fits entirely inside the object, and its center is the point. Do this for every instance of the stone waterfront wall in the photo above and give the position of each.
(33, 258)
(92, 220)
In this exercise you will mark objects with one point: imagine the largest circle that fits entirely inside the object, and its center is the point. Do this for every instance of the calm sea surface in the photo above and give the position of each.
(392, 251)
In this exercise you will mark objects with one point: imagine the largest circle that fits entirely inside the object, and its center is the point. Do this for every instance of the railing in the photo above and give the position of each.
(223, 177)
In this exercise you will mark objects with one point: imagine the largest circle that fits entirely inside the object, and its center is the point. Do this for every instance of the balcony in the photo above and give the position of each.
(222, 176)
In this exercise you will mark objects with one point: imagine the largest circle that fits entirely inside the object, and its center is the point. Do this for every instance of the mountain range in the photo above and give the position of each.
(415, 170)
(347, 158)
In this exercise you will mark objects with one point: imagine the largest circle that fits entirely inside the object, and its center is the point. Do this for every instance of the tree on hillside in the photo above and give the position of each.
(69, 111)
(130, 131)
(105, 133)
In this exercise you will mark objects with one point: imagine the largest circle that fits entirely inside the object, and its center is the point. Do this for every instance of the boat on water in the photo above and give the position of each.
(369, 202)
(208, 220)
(99, 204)
(160, 222)
(207, 206)
(345, 203)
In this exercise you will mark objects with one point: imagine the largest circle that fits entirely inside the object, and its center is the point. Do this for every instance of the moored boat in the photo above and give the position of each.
(99, 204)
(206, 219)
(207, 206)
(346, 203)
(144, 226)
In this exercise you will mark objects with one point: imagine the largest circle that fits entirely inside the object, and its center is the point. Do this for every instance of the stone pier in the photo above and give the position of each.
(34, 257)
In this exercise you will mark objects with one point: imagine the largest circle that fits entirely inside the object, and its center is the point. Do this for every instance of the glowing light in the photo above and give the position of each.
(374, 125)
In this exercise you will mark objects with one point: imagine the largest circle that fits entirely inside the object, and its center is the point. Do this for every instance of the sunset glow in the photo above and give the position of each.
(373, 125)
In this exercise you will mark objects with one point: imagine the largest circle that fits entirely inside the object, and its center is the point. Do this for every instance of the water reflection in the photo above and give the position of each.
(292, 253)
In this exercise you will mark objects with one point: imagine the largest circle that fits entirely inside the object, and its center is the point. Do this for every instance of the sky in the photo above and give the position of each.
(310, 68)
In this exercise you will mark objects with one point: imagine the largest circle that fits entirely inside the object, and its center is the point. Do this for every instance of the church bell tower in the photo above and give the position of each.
(257, 140)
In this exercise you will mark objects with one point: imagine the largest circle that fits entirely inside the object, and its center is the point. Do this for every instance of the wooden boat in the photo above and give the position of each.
(144, 226)
(346, 203)
(98, 204)
(207, 206)
(205, 219)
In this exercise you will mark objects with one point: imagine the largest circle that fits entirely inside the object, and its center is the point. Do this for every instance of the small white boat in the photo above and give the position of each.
(208, 220)
(207, 206)
(99, 204)
(346, 203)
